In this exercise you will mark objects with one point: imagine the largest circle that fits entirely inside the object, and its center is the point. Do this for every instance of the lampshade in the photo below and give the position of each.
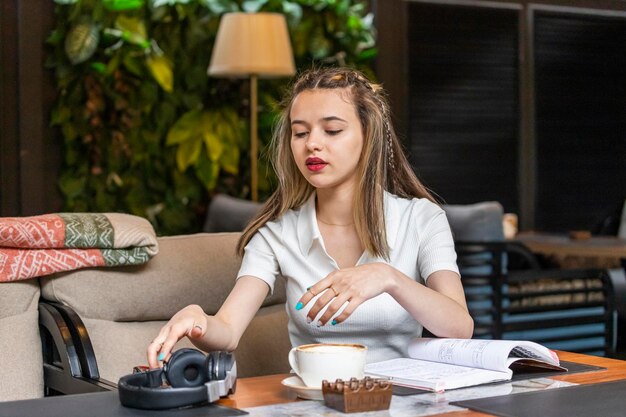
(252, 43)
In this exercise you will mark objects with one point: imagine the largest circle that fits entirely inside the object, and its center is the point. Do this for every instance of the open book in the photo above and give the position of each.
(442, 364)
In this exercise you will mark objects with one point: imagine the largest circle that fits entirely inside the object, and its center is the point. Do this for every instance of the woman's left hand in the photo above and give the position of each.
(354, 285)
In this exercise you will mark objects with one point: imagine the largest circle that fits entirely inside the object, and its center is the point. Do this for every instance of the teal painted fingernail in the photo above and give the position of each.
(308, 288)
(161, 356)
(299, 306)
(333, 322)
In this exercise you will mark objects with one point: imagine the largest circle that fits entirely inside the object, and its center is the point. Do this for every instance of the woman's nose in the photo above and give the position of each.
(313, 142)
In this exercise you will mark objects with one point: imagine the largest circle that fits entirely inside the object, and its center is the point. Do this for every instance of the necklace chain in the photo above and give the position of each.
(335, 224)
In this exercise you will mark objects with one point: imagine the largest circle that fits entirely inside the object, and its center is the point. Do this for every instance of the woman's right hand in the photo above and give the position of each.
(191, 321)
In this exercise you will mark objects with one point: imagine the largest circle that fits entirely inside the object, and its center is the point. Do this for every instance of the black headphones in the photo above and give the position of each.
(193, 378)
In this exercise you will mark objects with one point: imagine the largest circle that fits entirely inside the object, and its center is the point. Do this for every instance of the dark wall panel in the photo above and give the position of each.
(580, 72)
(30, 154)
(9, 137)
(463, 101)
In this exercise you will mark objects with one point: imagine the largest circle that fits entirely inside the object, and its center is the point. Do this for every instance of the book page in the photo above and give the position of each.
(477, 353)
(432, 375)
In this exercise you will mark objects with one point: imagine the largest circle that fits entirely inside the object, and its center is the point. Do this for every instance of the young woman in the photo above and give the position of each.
(367, 255)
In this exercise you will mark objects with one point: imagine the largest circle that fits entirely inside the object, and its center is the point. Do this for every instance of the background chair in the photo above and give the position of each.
(229, 214)
(476, 222)
(483, 267)
(618, 281)
(613, 223)
(566, 309)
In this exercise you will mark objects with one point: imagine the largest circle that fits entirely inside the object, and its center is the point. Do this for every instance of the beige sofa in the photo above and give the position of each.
(123, 308)
(21, 371)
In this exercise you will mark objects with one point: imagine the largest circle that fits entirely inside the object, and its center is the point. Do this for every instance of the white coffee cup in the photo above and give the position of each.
(317, 362)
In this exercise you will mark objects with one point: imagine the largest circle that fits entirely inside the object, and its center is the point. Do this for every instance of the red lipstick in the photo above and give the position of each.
(315, 164)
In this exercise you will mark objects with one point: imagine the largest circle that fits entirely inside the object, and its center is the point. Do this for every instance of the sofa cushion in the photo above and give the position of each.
(120, 346)
(264, 347)
(21, 363)
(194, 269)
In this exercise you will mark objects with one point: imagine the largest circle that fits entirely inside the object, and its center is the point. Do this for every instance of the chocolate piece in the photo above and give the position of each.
(357, 395)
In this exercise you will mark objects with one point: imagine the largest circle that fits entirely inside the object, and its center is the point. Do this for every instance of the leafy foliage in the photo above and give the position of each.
(145, 130)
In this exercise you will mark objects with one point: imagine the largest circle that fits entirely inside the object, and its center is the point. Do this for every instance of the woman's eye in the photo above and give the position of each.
(299, 134)
(333, 132)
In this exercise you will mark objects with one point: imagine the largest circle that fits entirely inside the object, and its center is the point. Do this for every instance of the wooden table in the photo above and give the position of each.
(252, 392)
(266, 390)
(596, 251)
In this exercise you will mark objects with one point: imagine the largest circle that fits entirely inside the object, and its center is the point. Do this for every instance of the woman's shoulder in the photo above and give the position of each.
(414, 214)
(286, 221)
(414, 206)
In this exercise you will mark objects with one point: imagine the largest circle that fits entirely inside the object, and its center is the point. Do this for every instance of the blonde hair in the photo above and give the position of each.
(382, 166)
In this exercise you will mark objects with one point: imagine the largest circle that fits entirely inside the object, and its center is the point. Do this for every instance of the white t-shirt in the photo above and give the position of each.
(420, 243)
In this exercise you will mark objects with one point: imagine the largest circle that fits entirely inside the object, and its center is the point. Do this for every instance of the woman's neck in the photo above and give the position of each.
(334, 208)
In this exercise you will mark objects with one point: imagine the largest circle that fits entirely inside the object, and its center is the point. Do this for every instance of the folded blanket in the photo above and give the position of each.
(41, 245)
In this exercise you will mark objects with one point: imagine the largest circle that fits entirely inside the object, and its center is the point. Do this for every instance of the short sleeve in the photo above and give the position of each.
(436, 251)
(259, 260)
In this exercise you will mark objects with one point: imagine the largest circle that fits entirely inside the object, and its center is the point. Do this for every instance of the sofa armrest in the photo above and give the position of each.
(21, 365)
(70, 365)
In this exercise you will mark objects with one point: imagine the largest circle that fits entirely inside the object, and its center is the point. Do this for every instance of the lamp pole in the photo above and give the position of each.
(254, 145)
(252, 45)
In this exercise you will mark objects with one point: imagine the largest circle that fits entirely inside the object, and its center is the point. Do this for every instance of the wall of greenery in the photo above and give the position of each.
(144, 129)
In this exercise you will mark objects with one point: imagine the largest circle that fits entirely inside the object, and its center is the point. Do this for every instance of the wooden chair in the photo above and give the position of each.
(483, 266)
(511, 297)
(566, 309)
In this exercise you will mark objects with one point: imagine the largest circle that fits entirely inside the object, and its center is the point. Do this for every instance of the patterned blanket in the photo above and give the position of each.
(41, 245)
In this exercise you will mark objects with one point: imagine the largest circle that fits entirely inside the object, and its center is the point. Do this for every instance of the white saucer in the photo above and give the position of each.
(295, 384)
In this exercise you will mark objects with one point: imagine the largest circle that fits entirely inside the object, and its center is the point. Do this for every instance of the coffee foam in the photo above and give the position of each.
(330, 348)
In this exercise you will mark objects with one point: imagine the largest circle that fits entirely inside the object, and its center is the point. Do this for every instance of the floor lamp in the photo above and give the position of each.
(252, 45)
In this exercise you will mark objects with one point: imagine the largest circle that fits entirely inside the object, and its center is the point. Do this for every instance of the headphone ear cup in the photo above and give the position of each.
(186, 369)
(230, 365)
(218, 363)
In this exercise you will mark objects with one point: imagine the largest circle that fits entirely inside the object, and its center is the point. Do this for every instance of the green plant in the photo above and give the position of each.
(144, 129)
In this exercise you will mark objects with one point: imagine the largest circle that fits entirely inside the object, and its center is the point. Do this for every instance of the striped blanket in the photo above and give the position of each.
(42, 245)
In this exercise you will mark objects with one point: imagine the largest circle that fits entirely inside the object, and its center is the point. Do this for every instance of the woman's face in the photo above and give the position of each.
(326, 137)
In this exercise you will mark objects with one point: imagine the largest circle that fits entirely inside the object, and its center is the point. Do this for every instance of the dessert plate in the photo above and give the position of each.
(295, 384)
